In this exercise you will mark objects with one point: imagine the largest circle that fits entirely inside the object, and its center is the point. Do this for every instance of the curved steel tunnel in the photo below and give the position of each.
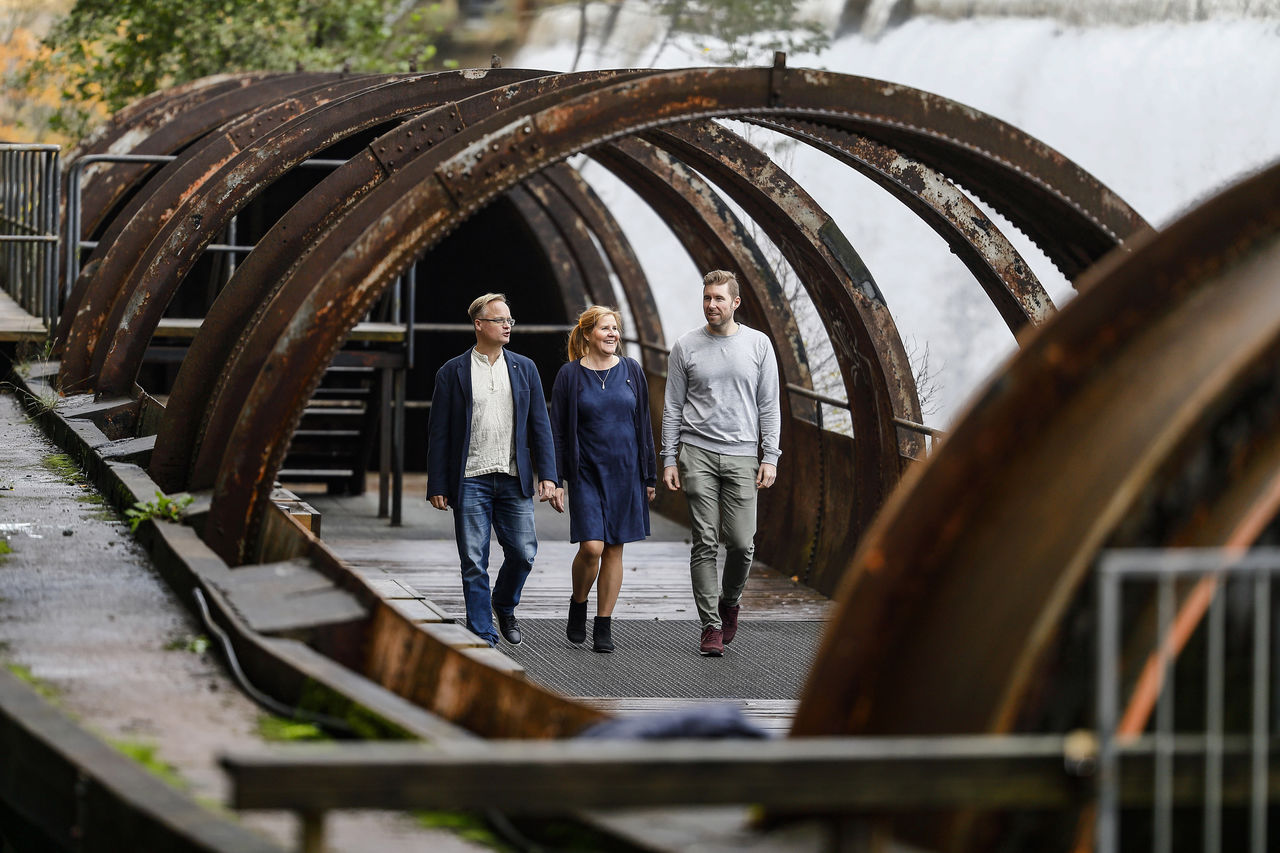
(986, 616)
(427, 155)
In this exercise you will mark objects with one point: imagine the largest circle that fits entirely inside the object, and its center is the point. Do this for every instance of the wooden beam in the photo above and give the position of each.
(834, 775)
(837, 774)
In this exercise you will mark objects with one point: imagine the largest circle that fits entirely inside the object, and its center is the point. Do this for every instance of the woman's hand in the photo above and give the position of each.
(651, 492)
(557, 500)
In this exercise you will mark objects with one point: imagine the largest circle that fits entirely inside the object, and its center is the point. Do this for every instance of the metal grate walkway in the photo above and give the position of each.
(767, 660)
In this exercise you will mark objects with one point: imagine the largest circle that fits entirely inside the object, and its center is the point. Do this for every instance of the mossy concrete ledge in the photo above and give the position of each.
(64, 789)
(283, 668)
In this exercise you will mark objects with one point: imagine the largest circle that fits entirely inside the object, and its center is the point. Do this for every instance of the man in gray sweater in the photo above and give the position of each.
(721, 419)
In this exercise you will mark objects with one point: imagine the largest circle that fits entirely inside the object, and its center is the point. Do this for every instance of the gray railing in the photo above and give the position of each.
(29, 207)
(1218, 603)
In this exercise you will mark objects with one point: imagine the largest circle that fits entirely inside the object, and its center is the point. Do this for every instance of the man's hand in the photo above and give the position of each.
(766, 475)
(671, 477)
(439, 501)
(557, 500)
(546, 490)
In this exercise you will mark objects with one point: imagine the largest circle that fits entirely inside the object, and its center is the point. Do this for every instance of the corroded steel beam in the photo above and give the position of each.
(469, 169)
(172, 124)
(97, 299)
(997, 266)
(1062, 456)
(575, 236)
(550, 223)
(632, 282)
(211, 371)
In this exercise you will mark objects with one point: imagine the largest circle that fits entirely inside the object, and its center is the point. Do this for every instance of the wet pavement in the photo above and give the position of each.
(83, 612)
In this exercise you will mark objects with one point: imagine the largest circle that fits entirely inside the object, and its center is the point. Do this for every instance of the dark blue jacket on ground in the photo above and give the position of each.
(449, 435)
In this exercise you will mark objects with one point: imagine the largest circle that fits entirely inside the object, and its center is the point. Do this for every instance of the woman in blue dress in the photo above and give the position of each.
(604, 452)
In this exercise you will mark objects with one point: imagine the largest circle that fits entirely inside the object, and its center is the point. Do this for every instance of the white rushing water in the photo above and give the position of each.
(1163, 112)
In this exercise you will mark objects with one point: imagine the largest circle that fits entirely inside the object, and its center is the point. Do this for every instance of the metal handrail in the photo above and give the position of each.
(29, 204)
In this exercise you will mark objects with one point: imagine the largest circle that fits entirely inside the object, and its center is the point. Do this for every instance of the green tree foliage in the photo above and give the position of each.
(740, 31)
(108, 53)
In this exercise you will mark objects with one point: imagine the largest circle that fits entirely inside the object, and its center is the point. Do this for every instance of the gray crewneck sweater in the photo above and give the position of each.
(722, 395)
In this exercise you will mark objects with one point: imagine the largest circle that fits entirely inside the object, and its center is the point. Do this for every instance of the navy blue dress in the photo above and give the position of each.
(607, 499)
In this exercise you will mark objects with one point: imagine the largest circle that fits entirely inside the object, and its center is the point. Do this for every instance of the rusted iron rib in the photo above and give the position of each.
(469, 175)
(997, 266)
(548, 226)
(510, 164)
(633, 283)
(120, 249)
(202, 212)
(156, 230)
(131, 131)
(1157, 384)
(195, 437)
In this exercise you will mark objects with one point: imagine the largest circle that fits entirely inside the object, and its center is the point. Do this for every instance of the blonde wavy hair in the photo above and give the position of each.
(587, 322)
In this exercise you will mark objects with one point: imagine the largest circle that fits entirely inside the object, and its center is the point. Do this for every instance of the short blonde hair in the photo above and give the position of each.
(481, 301)
(718, 277)
(587, 322)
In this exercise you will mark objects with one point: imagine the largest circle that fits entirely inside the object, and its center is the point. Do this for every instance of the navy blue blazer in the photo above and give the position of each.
(449, 434)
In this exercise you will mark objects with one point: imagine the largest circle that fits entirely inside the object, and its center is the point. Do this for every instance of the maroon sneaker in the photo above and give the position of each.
(728, 620)
(712, 644)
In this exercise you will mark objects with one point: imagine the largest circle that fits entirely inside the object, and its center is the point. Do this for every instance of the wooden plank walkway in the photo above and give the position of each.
(16, 324)
(421, 556)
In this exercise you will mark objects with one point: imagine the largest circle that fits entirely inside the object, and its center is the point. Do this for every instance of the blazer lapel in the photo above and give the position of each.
(464, 381)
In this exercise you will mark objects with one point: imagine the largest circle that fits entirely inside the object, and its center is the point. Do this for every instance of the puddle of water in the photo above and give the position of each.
(26, 527)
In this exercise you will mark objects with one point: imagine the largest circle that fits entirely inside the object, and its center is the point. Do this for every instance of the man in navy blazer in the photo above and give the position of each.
(489, 433)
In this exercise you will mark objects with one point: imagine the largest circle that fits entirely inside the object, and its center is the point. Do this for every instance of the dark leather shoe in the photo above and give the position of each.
(509, 627)
(602, 634)
(576, 630)
(729, 621)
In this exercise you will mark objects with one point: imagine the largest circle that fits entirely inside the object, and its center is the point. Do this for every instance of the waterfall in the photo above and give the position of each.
(1165, 112)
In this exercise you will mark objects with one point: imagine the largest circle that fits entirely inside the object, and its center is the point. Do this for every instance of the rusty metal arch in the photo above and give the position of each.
(516, 148)
(194, 197)
(184, 420)
(246, 297)
(633, 283)
(1010, 284)
(160, 266)
(1192, 316)
(177, 123)
(188, 134)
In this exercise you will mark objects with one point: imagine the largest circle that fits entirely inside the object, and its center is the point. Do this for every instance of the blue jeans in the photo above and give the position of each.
(493, 501)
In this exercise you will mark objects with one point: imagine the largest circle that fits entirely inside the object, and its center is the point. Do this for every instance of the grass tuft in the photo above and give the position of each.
(145, 754)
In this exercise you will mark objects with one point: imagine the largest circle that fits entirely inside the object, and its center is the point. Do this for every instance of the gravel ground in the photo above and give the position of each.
(83, 611)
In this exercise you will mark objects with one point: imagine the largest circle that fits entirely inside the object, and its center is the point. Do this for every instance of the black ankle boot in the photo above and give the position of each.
(576, 630)
(602, 634)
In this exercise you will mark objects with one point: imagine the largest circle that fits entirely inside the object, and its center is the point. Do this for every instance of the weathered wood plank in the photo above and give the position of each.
(655, 584)
(16, 324)
(822, 774)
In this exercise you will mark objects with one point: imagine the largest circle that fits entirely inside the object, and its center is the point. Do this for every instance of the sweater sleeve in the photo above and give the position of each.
(647, 470)
(673, 404)
(769, 404)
